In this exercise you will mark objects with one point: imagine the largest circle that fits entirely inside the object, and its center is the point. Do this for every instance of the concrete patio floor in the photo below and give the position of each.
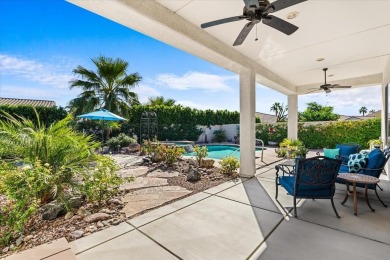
(242, 220)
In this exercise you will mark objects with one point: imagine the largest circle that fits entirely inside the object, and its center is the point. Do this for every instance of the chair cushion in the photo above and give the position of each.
(331, 153)
(344, 169)
(357, 162)
(346, 150)
(376, 160)
(287, 182)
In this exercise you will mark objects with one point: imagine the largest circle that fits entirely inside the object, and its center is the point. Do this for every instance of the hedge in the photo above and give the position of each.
(47, 115)
(325, 135)
(179, 123)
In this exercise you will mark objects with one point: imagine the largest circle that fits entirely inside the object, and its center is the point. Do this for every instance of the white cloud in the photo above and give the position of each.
(144, 92)
(195, 80)
(348, 102)
(43, 73)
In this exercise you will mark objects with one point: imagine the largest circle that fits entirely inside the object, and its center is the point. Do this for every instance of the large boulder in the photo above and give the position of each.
(193, 175)
(157, 158)
(52, 210)
(207, 163)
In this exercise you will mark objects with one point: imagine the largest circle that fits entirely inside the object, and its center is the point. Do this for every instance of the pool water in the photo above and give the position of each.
(220, 151)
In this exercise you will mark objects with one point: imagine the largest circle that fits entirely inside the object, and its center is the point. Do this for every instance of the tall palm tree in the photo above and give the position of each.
(160, 100)
(363, 110)
(108, 87)
(280, 111)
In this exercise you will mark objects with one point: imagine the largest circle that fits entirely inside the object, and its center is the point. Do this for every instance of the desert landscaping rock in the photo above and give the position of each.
(144, 182)
(96, 217)
(19, 241)
(52, 210)
(77, 233)
(207, 163)
(140, 200)
(83, 212)
(193, 175)
(115, 202)
(163, 174)
(69, 215)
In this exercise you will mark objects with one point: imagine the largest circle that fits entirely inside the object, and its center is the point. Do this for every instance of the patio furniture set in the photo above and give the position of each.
(315, 178)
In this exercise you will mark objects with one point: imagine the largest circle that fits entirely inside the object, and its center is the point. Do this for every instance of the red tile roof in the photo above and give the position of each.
(26, 102)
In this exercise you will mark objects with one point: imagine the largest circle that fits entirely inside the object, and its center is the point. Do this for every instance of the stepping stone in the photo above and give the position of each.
(135, 172)
(140, 200)
(144, 182)
(163, 174)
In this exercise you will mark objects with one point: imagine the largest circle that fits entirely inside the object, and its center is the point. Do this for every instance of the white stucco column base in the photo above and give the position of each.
(247, 123)
(292, 125)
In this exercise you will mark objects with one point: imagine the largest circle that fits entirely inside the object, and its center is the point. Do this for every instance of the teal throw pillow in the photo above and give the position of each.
(331, 153)
(357, 162)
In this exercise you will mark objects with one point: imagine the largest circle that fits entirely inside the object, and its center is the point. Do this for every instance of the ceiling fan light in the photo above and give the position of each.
(292, 15)
(327, 90)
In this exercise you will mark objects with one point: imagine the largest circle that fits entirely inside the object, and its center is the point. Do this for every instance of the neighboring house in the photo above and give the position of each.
(266, 118)
(375, 114)
(353, 118)
(26, 102)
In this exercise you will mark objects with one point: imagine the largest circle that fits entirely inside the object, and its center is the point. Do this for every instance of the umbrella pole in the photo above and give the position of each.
(102, 135)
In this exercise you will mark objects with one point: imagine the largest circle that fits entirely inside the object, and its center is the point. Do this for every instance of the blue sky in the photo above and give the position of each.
(42, 41)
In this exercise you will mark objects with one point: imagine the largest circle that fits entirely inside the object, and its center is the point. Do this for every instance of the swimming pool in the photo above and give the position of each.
(221, 151)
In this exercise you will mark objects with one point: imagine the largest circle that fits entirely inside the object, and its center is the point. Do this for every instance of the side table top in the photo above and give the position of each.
(358, 178)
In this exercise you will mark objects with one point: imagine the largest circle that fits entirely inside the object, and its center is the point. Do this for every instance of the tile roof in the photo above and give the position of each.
(26, 102)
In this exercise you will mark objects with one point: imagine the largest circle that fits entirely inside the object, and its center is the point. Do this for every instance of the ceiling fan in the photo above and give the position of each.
(326, 87)
(256, 11)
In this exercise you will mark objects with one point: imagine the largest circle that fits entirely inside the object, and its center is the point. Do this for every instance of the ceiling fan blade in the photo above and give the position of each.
(244, 33)
(222, 21)
(282, 4)
(338, 86)
(252, 3)
(280, 25)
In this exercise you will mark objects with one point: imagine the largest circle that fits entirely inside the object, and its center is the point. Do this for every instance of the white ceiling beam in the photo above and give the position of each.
(156, 21)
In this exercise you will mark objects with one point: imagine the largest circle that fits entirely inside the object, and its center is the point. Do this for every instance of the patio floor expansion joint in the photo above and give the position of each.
(99, 244)
(163, 247)
(170, 212)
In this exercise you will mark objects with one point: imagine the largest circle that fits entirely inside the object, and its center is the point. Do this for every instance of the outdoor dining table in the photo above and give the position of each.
(354, 178)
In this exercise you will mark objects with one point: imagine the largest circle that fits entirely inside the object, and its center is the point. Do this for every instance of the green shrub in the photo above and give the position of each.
(201, 152)
(179, 123)
(170, 154)
(219, 136)
(25, 188)
(229, 165)
(121, 140)
(325, 135)
(102, 182)
(47, 115)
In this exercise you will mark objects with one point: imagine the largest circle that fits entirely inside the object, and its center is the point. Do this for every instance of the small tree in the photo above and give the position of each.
(201, 152)
(280, 111)
(317, 112)
(363, 110)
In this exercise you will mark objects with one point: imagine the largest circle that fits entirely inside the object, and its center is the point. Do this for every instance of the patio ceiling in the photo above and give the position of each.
(352, 36)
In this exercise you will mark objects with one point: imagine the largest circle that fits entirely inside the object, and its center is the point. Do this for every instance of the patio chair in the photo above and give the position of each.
(374, 166)
(314, 178)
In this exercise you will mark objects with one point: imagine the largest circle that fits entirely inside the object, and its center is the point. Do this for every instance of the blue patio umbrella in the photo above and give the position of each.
(104, 115)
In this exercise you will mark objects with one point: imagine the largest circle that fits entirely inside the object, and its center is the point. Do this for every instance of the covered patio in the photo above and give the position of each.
(339, 35)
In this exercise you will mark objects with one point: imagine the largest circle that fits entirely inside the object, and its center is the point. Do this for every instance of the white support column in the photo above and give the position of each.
(247, 123)
(385, 111)
(292, 124)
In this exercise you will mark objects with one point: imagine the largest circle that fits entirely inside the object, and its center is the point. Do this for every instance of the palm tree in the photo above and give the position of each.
(363, 110)
(159, 101)
(280, 111)
(108, 87)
